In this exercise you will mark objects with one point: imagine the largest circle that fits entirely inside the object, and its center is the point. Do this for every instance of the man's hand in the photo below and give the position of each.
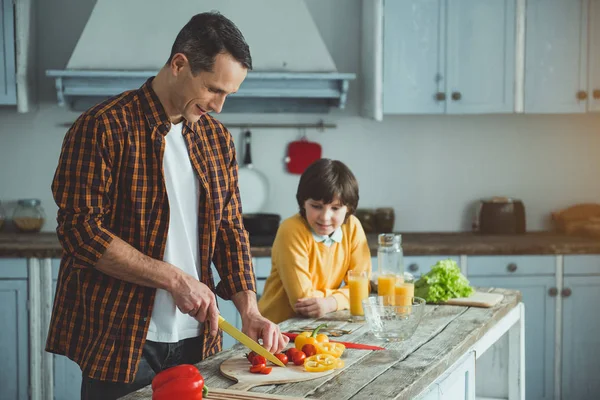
(258, 327)
(315, 307)
(196, 299)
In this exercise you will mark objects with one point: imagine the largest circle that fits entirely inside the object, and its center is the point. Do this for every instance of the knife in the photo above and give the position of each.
(247, 341)
(348, 345)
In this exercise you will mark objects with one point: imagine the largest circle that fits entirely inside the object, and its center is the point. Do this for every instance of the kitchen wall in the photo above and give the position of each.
(431, 169)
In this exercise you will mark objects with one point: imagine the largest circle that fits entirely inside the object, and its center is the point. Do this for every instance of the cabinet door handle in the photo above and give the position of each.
(440, 96)
(512, 267)
(413, 267)
(552, 292)
(456, 96)
(582, 95)
(596, 94)
(566, 292)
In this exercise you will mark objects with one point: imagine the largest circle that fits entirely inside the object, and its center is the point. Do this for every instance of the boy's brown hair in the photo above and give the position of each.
(325, 179)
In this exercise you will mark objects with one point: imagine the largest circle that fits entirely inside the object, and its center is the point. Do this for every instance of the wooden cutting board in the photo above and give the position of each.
(237, 368)
(226, 394)
(477, 299)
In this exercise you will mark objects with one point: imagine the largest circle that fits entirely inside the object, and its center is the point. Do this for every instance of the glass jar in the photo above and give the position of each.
(29, 216)
(390, 258)
(2, 217)
(384, 218)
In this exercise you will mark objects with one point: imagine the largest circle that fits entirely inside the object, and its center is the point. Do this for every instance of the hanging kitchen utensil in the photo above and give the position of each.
(300, 154)
(253, 185)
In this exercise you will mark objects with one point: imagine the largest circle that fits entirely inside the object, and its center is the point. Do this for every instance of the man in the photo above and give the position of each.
(146, 187)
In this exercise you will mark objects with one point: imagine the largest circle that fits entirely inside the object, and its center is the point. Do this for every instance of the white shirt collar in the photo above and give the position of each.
(336, 236)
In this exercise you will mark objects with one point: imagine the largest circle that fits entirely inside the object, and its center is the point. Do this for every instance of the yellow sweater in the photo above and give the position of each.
(302, 267)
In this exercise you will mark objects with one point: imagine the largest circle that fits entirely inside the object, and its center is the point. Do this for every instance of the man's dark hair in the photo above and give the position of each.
(207, 35)
(325, 179)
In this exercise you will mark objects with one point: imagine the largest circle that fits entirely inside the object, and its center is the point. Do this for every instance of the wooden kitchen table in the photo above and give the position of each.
(437, 362)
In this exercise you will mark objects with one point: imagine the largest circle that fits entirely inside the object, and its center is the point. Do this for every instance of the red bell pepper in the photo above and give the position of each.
(348, 345)
(183, 382)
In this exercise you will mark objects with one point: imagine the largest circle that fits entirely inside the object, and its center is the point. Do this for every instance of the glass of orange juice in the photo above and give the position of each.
(404, 291)
(358, 281)
(386, 284)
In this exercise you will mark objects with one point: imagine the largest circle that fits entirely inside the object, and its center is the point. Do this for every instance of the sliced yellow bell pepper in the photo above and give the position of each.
(308, 337)
(320, 363)
(334, 349)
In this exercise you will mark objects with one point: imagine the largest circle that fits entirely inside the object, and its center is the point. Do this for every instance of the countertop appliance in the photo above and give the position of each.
(501, 215)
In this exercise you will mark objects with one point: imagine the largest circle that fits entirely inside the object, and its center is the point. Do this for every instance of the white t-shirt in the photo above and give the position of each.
(168, 324)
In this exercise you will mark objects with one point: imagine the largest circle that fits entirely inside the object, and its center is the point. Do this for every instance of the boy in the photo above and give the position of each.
(314, 249)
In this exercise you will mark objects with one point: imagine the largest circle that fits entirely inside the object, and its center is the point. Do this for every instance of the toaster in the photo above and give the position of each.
(501, 215)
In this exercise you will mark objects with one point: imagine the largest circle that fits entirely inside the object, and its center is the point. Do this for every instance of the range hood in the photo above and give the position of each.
(292, 69)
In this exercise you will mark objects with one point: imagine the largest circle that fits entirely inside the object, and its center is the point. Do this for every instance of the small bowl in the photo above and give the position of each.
(394, 323)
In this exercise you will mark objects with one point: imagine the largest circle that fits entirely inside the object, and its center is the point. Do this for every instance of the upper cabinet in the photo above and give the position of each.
(556, 58)
(594, 57)
(8, 88)
(442, 56)
(480, 56)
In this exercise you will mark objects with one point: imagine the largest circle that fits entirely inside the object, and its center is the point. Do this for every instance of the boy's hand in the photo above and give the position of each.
(315, 307)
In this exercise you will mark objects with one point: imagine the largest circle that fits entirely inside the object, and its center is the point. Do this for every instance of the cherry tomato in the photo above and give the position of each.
(251, 355)
(309, 350)
(266, 370)
(282, 357)
(259, 360)
(299, 358)
(290, 353)
(256, 369)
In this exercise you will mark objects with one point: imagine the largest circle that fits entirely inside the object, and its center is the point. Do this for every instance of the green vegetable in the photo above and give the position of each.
(443, 282)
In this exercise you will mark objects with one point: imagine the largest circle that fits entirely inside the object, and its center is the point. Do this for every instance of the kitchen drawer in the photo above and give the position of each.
(582, 265)
(510, 265)
(13, 268)
(262, 267)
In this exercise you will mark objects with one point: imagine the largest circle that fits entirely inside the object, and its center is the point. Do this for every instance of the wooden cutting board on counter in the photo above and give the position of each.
(477, 299)
(238, 369)
(227, 394)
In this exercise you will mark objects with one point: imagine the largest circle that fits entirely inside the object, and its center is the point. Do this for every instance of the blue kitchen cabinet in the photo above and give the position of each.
(14, 336)
(67, 374)
(480, 56)
(556, 65)
(581, 327)
(418, 265)
(448, 56)
(594, 57)
(8, 88)
(535, 277)
(413, 62)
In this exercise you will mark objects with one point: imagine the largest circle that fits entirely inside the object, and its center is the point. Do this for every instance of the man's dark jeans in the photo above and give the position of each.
(155, 358)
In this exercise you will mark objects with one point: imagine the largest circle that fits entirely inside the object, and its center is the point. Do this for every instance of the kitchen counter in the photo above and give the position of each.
(46, 245)
(468, 243)
(445, 338)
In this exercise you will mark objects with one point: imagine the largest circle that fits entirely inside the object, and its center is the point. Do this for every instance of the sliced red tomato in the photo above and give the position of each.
(256, 369)
(266, 370)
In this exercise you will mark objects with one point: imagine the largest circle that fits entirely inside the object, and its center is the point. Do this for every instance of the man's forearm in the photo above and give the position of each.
(123, 261)
(245, 302)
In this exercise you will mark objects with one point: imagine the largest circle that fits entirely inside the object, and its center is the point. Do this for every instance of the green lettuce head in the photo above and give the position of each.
(443, 282)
